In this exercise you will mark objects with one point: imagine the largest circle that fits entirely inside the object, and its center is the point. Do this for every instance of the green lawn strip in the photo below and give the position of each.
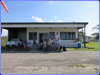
(3, 41)
(71, 66)
(97, 70)
(80, 65)
(92, 46)
(3, 44)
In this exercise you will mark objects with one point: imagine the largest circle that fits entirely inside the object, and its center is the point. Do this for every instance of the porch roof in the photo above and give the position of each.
(43, 24)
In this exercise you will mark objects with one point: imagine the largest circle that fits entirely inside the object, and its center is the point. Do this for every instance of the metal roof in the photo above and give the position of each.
(44, 23)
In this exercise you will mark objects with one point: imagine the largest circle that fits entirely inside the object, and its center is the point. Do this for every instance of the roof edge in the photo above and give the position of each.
(44, 23)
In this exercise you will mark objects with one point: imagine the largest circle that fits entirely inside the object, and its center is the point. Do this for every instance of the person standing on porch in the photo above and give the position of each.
(49, 44)
(58, 43)
(44, 45)
(34, 44)
(55, 40)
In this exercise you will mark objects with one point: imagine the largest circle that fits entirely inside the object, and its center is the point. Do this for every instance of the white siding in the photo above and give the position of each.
(54, 29)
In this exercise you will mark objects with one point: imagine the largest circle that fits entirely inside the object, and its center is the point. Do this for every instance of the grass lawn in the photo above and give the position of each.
(90, 44)
(3, 42)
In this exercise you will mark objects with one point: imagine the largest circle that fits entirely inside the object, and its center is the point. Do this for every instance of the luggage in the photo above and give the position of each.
(47, 47)
(64, 49)
(38, 48)
(41, 47)
(60, 47)
(27, 48)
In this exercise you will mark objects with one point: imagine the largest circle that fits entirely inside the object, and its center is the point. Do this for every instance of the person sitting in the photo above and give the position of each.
(49, 44)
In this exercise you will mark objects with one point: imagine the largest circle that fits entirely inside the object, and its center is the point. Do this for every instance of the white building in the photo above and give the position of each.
(67, 31)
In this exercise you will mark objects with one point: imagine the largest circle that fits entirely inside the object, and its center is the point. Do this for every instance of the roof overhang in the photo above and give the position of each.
(42, 24)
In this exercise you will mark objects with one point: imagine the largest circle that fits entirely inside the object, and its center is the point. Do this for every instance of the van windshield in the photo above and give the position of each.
(14, 40)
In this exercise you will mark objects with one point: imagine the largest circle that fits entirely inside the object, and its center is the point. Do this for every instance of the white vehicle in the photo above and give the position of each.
(15, 42)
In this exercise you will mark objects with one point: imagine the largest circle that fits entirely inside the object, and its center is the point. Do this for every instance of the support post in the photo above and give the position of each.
(8, 34)
(78, 33)
(84, 37)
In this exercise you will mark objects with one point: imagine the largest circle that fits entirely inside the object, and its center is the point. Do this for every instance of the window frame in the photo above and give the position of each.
(54, 35)
(32, 35)
(67, 35)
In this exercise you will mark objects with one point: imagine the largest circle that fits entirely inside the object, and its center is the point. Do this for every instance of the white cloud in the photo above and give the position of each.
(37, 19)
(50, 1)
(55, 17)
(59, 21)
(51, 21)
(40, 20)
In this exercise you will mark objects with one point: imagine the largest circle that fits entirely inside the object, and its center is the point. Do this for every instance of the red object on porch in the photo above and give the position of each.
(27, 48)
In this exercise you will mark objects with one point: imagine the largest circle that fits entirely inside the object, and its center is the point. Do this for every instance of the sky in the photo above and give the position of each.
(52, 11)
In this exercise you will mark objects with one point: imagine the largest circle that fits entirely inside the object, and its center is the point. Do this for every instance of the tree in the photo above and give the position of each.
(80, 33)
(96, 27)
(96, 34)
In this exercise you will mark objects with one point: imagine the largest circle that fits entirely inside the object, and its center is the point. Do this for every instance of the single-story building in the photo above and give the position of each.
(27, 31)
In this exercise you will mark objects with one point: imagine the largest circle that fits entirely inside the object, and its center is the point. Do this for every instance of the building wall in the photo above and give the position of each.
(22, 34)
(53, 29)
(90, 38)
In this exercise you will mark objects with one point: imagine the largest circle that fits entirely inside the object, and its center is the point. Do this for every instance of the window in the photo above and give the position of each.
(73, 35)
(32, 35)
(52, 35)
(67, 35)
(63, 36)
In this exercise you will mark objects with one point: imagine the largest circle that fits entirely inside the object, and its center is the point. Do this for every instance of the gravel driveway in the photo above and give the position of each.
(53, 62)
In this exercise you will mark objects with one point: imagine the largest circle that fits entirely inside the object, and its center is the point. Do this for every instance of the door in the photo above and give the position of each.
(46, 36)
(41, 37)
